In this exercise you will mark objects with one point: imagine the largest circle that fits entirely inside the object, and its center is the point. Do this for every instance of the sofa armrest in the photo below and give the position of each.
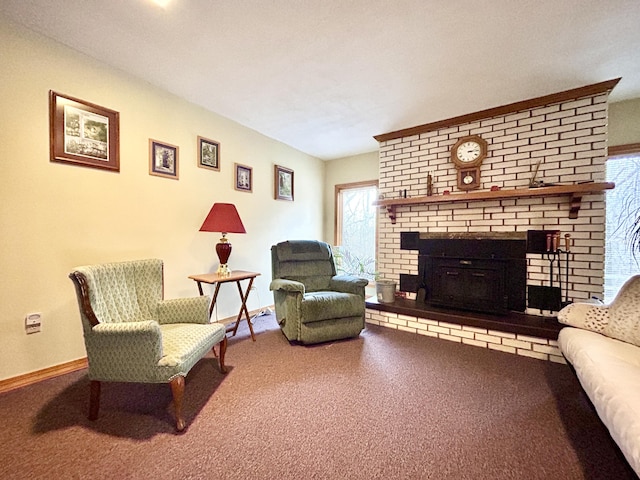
(348, 284)
(586, 316)
(124, 345)
(286, 285)
(184, 310)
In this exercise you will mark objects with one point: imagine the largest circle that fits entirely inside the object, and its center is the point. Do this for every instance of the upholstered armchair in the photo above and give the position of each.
(132, 335)
(312, 303)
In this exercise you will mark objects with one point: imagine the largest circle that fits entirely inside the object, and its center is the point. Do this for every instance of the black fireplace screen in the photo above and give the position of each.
(480, 273)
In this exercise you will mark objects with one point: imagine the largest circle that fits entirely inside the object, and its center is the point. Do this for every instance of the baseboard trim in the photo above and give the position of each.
(252, 313)
(40, 375)
(75, 365)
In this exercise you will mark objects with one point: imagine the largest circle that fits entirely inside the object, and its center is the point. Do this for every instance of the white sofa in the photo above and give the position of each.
(602, 342)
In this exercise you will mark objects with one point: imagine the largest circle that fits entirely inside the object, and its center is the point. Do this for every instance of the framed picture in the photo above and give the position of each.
(83, 133)
(163, 159)
(208, 154)
(243, 178)
(283, 185)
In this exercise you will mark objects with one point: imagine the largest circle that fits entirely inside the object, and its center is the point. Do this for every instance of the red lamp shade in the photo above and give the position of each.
(223, 218)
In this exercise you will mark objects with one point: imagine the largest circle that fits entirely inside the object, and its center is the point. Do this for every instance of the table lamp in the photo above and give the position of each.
(223, 218)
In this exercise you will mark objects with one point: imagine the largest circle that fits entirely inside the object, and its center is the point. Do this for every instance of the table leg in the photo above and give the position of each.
(243, 309)
(213, 299)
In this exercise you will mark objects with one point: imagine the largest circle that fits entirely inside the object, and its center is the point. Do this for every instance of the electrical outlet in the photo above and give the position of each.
(33, 322)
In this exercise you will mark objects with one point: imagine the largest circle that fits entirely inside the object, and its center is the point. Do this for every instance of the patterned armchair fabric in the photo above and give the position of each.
(132, 335)
(312, 303)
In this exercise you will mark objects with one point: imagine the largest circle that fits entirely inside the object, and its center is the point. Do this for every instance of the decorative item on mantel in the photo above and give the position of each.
(574, 191)
(429, 185)
(223, 218)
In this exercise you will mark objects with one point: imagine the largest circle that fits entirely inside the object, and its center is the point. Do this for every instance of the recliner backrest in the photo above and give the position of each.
(307, 261)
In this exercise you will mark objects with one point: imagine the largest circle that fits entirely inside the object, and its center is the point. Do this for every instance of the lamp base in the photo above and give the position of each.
(223, 270)
(223, 249)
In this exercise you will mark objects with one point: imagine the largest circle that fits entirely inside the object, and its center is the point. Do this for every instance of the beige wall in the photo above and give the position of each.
(352, 169)
(55, 216)
(624, 122)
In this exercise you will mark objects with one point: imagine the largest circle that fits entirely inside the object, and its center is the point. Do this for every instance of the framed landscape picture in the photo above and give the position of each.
(243, 178)
(283, 185)
(208, 154)
(163, 159)
(83, 133)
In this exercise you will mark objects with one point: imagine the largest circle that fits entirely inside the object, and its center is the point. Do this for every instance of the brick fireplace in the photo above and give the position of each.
(565, 134)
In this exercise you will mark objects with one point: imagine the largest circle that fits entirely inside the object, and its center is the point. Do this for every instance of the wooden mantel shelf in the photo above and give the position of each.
(576, 191)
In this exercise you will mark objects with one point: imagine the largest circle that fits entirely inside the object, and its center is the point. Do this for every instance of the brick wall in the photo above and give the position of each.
(570, 139)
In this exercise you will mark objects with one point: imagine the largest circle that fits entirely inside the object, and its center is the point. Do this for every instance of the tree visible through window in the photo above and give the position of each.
(355, 249)
(622, 212)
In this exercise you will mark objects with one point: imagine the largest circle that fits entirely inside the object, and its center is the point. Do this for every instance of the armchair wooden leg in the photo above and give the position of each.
(177, 389)
(223, 350)
(94, 399)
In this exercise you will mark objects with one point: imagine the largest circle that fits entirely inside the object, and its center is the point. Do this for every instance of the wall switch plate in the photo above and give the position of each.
(32, 322)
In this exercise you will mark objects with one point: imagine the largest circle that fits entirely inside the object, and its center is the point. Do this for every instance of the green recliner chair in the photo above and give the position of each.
(132, 335)
(312, 303)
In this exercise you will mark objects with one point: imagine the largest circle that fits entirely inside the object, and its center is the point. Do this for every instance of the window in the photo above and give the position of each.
(355, 229)
(622, 212)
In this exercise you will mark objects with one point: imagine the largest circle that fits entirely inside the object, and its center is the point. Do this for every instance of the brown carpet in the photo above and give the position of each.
(387, 405)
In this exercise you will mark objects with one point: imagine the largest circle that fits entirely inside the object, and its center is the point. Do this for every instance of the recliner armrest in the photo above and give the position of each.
(348, 284)
(184, 310)
(286, 285)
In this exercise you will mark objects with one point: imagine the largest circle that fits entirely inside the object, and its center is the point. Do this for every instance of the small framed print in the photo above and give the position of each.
(208, 154)
(163, 159)
(83, 133)
(243, 178)
(283, 185)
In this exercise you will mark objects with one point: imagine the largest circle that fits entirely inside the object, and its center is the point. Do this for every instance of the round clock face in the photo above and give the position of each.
(468, 151)
(467, 179)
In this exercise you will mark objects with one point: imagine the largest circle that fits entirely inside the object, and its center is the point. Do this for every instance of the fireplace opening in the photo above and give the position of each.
(467, 283)
(477, 272)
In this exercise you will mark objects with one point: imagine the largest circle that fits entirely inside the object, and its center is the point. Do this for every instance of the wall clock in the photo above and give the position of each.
(467, 156)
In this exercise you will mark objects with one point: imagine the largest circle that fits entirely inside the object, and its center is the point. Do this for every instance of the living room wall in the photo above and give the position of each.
(356, 168)
(55, 216)
(624, 122)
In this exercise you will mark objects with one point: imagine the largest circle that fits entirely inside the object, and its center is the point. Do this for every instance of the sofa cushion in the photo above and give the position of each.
(609, 372)
(619, 320)
(585, 315)
(624, 315)
(183, 344)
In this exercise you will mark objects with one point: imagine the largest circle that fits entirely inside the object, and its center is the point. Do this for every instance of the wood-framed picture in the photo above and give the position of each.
(163, 159)
(243, 178)
(83, 133)
(208, 154)
(283, 183)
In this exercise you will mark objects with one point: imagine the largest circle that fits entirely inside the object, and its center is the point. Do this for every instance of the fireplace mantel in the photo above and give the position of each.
(575, 191)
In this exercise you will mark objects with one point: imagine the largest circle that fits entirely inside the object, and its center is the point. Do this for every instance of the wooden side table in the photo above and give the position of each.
(235, 276)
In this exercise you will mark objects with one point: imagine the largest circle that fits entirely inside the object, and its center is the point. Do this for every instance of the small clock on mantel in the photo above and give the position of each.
(467, 156)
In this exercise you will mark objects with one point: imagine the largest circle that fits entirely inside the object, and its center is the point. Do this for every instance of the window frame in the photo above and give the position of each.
(337, 216)
(616, 152)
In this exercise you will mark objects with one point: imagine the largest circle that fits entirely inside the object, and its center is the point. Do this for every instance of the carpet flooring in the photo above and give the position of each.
(388, 404)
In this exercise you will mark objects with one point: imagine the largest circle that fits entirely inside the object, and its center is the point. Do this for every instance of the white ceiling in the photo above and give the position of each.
(324, 76)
